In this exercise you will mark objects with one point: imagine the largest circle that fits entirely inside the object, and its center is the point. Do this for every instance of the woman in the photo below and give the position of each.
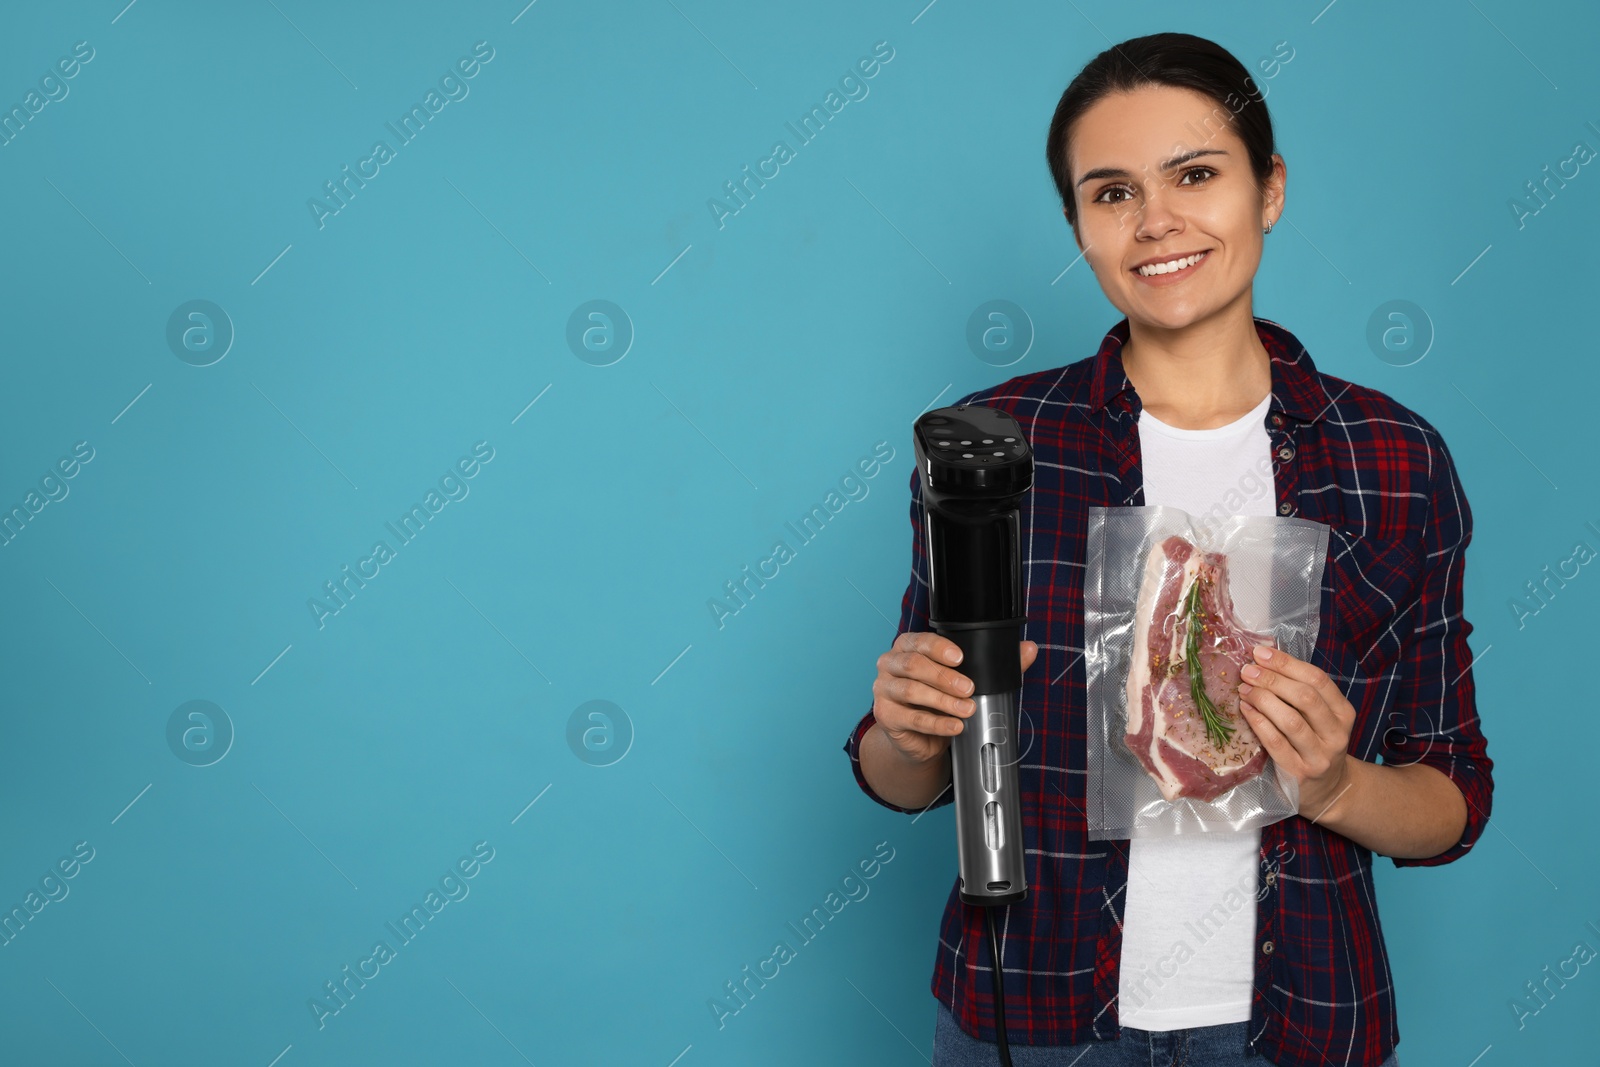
(1204, 948)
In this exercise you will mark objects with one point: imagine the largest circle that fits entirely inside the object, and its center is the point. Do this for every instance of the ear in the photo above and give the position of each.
(1276, 181)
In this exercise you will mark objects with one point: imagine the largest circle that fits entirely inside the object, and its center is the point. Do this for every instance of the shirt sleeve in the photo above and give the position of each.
(913, 618)
(1437, 703)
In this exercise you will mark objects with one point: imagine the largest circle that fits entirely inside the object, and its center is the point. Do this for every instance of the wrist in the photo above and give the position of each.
(902, 757)
(1328, 809)
(901, 779)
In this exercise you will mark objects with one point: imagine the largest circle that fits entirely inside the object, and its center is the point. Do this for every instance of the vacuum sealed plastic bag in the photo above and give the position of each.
(1172, 610)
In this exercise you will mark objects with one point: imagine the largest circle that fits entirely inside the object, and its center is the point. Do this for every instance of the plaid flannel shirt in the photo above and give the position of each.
(1392, 635)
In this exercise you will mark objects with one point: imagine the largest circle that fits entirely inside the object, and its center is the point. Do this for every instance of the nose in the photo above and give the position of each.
(1156, 218)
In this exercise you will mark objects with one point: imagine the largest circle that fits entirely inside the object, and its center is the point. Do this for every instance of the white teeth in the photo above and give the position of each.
(1168, 268)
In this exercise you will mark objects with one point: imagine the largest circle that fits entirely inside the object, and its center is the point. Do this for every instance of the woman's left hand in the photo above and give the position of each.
(1304, 723)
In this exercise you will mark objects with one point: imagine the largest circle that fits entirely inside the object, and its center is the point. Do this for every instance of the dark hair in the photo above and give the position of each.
(1176, 59)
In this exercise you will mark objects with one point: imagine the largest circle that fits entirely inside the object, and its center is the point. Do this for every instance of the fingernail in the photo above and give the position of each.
(954, 656)
(1263, 653)
(1245, 687)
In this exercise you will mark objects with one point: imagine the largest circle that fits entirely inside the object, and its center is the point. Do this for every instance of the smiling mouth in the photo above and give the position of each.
(1172, 267)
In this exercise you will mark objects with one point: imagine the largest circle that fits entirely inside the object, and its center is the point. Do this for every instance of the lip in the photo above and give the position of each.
(1176, 276)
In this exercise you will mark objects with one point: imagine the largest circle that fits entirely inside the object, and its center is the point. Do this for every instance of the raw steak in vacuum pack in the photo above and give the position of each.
(1184, 725)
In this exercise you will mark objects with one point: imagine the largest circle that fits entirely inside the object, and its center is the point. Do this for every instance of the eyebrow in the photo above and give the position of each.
(1167, 164)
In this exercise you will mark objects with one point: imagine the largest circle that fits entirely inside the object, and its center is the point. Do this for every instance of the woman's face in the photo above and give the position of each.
(1149, 208)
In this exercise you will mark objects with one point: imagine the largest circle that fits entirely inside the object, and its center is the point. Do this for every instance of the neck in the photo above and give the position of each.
(1201, 376)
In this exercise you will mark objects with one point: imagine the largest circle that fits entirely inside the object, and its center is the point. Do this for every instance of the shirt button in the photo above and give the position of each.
(1272, 877)
(1266, 946)
(1277, 420)
(1286, 453)
(1285, 507)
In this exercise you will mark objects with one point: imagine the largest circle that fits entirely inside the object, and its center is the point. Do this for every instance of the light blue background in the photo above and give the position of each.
(770, 355)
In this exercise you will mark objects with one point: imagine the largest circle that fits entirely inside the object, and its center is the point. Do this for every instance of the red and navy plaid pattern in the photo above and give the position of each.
(1392, 635)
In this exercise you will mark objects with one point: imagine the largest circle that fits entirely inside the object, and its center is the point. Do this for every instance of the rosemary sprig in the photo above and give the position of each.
(1218, 731)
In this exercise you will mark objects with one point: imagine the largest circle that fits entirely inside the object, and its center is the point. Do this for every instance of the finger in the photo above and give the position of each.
(903, 718)
(1278, 747)
(918, 666)
(1276, 659)
(1286, 719)
(1307, 699)
(935, 647)
(1030, 653)
(911, 693)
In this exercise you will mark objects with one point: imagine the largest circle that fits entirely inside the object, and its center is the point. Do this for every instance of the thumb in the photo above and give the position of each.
(1030, 652)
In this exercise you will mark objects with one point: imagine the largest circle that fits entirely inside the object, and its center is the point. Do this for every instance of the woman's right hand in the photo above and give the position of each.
(919, 699)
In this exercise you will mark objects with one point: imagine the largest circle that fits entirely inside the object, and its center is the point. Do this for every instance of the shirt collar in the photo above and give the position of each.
(1296, 387)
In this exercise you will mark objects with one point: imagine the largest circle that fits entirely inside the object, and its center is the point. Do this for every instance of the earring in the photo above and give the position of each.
(1268, 228)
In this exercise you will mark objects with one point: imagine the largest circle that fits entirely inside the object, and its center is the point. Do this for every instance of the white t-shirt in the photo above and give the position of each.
(1189, 920)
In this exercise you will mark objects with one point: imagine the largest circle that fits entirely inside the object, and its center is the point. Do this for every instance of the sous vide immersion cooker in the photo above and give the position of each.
(976, 467)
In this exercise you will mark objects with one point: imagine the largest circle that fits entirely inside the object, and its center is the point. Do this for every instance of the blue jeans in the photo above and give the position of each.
(1198, 1046)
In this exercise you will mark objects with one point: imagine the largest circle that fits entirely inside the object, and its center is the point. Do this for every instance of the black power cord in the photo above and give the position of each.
(999, 990)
